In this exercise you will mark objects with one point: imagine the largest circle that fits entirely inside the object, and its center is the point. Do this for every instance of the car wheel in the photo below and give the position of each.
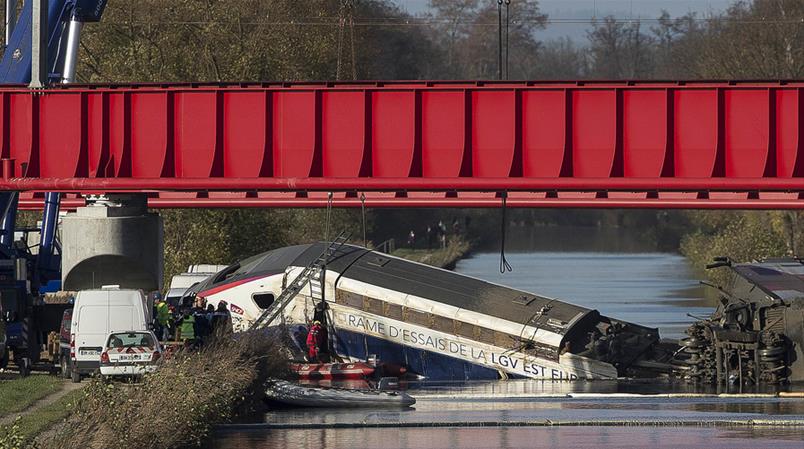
(75, 376)
(64, 367)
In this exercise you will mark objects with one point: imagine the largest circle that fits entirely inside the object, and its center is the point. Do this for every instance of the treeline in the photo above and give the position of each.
(763, 39)
(248, 40)
(251, 40)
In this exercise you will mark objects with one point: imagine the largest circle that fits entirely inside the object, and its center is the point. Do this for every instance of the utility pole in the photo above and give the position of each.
(499, 41)
(39, 37)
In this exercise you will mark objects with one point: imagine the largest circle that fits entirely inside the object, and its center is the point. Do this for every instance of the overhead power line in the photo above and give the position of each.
(391, 22)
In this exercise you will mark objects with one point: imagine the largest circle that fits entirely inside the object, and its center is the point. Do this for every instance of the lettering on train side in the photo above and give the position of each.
(432, 342)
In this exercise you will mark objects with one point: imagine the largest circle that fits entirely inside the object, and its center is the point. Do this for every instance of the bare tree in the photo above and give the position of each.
(620, 50)
(467, 31)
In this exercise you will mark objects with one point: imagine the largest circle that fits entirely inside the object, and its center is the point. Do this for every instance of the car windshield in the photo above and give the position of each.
(130, 339)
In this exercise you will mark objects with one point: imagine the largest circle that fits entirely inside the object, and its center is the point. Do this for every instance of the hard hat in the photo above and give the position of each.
(316, 322)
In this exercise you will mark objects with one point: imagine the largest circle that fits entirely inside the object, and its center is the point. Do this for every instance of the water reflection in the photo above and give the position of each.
(577, 239)
(463, 410)
(506, 437)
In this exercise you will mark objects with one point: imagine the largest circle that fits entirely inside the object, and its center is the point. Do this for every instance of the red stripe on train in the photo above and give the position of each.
(233, 284)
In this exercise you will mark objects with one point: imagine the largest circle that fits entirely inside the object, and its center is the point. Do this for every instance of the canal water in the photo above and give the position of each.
(618, 271)
(605, 270)
(653, 289)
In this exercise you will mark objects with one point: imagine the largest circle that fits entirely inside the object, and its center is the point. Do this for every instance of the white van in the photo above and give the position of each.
(96, 314)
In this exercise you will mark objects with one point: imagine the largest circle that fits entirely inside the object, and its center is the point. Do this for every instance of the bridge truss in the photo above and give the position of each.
(410, 144)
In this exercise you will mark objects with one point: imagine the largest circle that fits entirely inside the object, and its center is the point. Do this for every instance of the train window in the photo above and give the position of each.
(225, 273)
(263, 300)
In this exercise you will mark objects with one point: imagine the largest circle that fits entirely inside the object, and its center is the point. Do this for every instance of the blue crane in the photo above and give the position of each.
(41, 47)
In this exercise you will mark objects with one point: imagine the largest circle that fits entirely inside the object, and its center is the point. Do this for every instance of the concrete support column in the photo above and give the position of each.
(112, 241)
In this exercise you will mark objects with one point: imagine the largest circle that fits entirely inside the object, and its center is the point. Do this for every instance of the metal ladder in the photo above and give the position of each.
(312, 273)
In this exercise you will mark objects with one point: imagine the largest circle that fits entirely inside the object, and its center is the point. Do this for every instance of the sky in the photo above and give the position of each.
(587, 9)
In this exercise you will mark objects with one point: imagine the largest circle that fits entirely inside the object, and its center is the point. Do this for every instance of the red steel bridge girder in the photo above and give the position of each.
(535, 201)
(629, 144)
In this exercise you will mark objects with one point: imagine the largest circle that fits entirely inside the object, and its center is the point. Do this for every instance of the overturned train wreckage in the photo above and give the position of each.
(756, 333)
(438, 324)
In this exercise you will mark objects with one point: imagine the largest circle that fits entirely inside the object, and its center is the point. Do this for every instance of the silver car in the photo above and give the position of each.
(130, 353)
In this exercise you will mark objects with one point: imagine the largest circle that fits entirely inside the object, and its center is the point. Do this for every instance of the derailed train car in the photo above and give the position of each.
(757, 331)
(436, 323)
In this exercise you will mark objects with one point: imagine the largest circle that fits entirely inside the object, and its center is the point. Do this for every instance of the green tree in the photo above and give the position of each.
(248, 40)
(744, 237)
(220, 236)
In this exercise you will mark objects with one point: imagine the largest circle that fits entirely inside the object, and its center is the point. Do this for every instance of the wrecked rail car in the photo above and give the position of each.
(438, 324)
(757, 331)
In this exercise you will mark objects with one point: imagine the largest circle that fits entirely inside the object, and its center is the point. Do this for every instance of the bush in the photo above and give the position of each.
(12, 438)
(742, 237)
(177, 405)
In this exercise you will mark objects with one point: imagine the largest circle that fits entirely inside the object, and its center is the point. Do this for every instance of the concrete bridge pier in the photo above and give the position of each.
(114, 240)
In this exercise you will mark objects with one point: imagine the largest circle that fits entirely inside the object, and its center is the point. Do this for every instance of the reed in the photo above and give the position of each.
(178, 405)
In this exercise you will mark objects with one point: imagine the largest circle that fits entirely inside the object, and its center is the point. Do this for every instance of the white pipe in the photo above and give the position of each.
(71, 51)
(11, 19)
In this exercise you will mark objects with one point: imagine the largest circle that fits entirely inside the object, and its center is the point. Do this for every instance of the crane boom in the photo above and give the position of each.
(41, 43)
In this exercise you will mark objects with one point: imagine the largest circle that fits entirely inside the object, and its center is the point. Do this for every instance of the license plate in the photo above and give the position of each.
(88, 352)
(128, 358)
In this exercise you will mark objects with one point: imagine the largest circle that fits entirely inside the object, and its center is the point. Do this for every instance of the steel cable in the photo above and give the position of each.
(363, 212)
(329, 211)
(504, 265)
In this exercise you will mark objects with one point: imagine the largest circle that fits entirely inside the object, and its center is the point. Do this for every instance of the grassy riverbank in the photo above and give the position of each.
(18, 394)
(24, 430)
(447, 257)
(29, 406)
(175, 407)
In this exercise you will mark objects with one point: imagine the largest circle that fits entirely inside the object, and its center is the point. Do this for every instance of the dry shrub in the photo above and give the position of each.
(177, 405)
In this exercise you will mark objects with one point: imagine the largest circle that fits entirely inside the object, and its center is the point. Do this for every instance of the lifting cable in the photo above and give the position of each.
(504, 265)
(363, 212)
(329, 212)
